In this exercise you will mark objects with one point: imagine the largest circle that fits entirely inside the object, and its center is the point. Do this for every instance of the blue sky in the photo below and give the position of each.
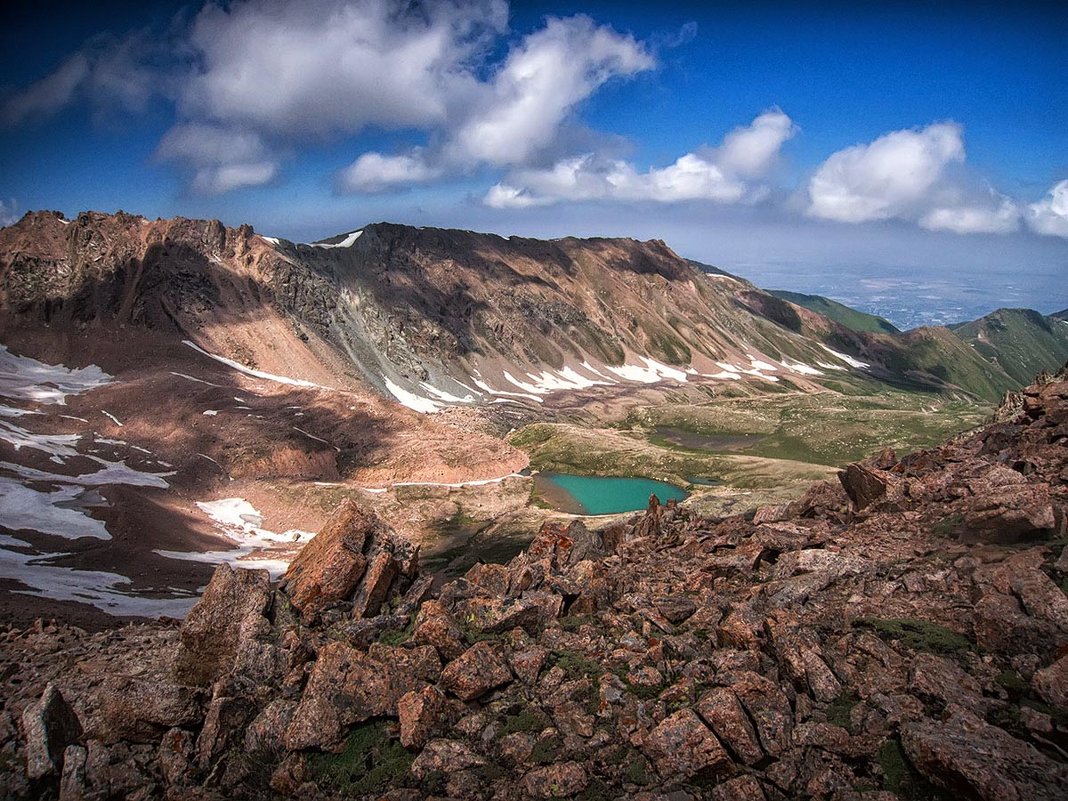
(785, 143)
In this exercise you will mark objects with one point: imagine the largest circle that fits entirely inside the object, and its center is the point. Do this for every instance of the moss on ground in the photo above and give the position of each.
(371, 763)
(919, 635)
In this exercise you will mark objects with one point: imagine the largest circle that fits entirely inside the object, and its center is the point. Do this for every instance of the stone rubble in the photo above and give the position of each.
(903, 635)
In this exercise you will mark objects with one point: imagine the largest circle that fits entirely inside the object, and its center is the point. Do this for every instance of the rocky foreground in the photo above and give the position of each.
(901, 635)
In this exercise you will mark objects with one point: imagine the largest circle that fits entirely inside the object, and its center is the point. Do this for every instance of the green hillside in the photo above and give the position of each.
(1020, 341)
(839, 312)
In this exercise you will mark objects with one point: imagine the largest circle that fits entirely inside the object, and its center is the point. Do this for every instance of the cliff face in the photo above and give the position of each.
(899, 633)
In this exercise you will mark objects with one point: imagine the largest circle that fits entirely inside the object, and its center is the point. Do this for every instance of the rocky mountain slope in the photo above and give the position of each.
(900, 633)
(443, 318)
(840, 313)
(1020, 341)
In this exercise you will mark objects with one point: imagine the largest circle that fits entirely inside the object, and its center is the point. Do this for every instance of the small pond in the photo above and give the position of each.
(593, 495)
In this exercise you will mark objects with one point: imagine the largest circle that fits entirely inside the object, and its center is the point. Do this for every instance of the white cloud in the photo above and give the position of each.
(999, 216)
(540, 83)
(8, 212)
(517, 113)
(887, 178)
(335, 67)
(373, 172)
(1049, 216)
(221, 159)
(748, 152)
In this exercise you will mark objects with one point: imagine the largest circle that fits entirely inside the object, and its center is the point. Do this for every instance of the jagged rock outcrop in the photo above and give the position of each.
(824, 651)
(354, 563)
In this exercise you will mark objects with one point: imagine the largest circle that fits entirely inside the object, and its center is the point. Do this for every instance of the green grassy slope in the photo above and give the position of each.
(839, 312)
(1021, 342)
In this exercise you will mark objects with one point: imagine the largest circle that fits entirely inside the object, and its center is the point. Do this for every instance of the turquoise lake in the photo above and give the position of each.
(593, 495)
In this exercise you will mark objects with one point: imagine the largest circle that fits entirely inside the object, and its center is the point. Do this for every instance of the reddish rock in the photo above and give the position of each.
(527, 664)
(1010, 514)
(740, 788)
(1051, 683)
(435, 626)
(721, 710)
(562, 780)
(676, 608)
(423, 715)
(328, 568)
(444, 756)
(141, 710)
(682, 746)
(866, 486)
(972, 759)
(48, 726)
(477, 671)
(346, 686)
(375, 585)
(227, 623)
(769, 709)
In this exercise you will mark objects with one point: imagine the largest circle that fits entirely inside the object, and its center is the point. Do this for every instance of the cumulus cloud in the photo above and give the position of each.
(8, 212)
(373, 172)
(719, 175)
(887, 178)
(517, 113)
(335, 66)
(1049, 216)
(999, 215)
(220, 159)
(541, 81)
(750, 150)
(289, 74)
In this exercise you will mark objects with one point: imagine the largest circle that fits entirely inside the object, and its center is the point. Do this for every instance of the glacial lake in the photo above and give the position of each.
(593, 495)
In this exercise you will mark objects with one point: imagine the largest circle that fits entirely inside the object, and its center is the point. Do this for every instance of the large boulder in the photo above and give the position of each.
(972, 759)
(354, 558)
(349, 686)
(227, 627)
(48, 726)
(475, 672)
(682, 746)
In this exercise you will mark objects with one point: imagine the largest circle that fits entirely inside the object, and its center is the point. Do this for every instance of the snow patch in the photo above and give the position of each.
(193, 378)
(347, 242)
(415, 402)
(317, 439)
(24, 378)
(272, 239)
(845, 357)
(800, 367)
(653, 372)
(105, 591)
(210, 412)
(445, 396)
(26, 508)
(478, 382)
(279, 379)
(112, 417)
(241, 522)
